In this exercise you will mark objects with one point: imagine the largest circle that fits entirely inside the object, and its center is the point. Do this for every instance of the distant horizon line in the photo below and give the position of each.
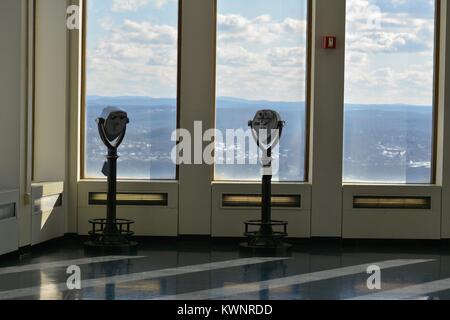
(255, 100)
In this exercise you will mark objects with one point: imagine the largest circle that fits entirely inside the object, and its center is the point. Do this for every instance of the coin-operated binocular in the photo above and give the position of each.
(111, 234)
(267, 127)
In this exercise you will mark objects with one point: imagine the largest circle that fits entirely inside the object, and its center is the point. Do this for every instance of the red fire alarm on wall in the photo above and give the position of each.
(329, 42)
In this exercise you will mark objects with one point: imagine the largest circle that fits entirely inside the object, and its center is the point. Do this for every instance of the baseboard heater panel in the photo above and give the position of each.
(254, 201)
(131, 199)
(391, 202)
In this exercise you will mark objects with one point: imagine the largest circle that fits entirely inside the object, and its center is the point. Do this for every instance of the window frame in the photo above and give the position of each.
(436, 85)
(308, 100)
(82, 147)
(434, 112)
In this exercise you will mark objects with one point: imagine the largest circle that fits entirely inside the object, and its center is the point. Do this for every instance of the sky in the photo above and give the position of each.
(132, 48)
(261, 49)
(389, 52)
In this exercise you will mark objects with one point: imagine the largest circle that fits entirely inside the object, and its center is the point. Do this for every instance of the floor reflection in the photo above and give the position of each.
(205, 271)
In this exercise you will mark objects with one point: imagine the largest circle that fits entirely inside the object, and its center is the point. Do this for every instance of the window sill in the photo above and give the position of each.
(130, 181)
(43, 189)
(253, 183)
(388, 185)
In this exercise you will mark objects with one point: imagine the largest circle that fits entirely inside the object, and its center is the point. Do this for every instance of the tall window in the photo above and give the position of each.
(261, 64)
(131, 63)
(389, 91)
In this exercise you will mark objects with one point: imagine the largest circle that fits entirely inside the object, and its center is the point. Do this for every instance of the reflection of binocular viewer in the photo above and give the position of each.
(267, 127)
(111, 234)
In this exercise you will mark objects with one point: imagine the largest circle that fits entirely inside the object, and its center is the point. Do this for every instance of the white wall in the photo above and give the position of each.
(443, 163)
(327, 119)
(10, 93)
(50, 150)
(11, 102)
(17, 121)
(197, 104)
(50, 129)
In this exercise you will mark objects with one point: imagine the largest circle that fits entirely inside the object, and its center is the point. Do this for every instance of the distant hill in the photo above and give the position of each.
(231, 103)
(130, 101)
(387, 108)
(222, 102)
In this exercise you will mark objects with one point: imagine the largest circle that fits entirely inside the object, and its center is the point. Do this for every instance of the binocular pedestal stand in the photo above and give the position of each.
(265, 240)
(111, 235)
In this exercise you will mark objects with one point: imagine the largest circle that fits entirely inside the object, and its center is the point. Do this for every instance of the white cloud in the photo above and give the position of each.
(261, 58)
(287, 57)
(263, 30)
(391, 61)
(235, 56)
(265, 58)
(393, 31)
(146, 33)
(128, 5)
(257, 58)
(135, 58)
(135, 5)
(160, 3)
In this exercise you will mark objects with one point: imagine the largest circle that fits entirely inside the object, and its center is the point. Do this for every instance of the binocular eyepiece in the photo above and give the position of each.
(267, 127)
(112, 126)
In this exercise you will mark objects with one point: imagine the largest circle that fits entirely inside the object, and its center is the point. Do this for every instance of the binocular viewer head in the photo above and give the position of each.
(267, 127)
(113, 123)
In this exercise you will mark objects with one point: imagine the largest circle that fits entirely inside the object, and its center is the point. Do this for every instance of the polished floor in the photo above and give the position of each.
(201, 270)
